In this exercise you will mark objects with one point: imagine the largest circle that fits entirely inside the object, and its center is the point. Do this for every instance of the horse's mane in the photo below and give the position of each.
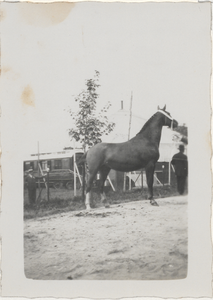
(146, 124)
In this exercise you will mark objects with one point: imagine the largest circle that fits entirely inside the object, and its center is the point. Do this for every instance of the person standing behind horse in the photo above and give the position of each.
(180, 163)
(31, 185)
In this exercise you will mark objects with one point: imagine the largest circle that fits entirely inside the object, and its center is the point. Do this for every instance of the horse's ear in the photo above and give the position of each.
(158, 107)
(164, 108)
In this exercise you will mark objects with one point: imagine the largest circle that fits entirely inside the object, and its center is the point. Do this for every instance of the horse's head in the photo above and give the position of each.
(168, 120)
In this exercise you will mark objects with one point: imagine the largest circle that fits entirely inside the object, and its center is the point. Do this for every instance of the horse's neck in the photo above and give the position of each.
(153, 131)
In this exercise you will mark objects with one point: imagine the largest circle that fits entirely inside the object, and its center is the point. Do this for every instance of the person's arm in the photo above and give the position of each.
(173, 161)
(186, 166)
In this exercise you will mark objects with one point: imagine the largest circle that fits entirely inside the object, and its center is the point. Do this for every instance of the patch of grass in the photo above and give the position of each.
(63, 200)
(54, 206)
(137, 194)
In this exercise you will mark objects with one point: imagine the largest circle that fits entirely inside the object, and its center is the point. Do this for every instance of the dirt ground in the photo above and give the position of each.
(126, 241)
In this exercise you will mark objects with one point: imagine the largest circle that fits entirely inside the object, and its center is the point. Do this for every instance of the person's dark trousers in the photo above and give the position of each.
(181, 180)
(32, 196)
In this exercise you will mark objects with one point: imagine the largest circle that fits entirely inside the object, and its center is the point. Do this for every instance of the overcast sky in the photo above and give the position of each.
(48, 51)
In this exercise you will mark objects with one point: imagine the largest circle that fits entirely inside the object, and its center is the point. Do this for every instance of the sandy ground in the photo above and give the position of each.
(127, 241)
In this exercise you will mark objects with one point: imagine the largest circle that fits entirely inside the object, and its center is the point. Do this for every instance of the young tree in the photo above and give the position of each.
(90, 125)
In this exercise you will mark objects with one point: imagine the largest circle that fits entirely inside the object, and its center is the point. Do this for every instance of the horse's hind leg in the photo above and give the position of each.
(88, 189)
(104, 171)
(150, 168)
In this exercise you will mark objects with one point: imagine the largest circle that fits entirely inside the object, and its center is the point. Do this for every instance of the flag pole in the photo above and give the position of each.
(130, 122)
(130, 117)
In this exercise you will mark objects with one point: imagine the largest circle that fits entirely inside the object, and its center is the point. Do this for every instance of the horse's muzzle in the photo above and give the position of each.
(173, 124)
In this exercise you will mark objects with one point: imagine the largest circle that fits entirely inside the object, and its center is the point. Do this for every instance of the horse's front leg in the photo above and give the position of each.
(150, 168)
(87, 201)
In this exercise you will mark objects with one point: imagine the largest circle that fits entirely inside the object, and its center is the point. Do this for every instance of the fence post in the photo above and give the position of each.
(74, 162)
(48, 185)
(163, 173)
(83, 181)
(142, 180)
(169, 173)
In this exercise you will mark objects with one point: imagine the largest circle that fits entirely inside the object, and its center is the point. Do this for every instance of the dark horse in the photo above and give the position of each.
(142, 151)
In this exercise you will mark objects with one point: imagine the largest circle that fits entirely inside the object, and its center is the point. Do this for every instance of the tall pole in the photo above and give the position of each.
(130, 121)
(130, 117)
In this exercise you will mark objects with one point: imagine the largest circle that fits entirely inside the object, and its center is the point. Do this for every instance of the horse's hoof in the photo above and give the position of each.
(154, 203)
(88, 207)
(107, 206)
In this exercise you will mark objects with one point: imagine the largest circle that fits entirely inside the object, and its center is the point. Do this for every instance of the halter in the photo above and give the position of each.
(166, 114)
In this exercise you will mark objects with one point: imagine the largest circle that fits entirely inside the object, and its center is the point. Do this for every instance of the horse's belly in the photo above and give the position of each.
(129, 157)
(125, 166)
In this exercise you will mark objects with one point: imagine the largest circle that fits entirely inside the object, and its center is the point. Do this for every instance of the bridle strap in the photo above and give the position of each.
(165, 114)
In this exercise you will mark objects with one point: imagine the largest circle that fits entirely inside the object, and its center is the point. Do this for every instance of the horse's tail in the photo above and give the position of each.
(81, 162)
(82, 159)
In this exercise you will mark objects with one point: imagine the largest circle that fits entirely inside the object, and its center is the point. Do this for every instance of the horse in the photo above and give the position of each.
(142, 151)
